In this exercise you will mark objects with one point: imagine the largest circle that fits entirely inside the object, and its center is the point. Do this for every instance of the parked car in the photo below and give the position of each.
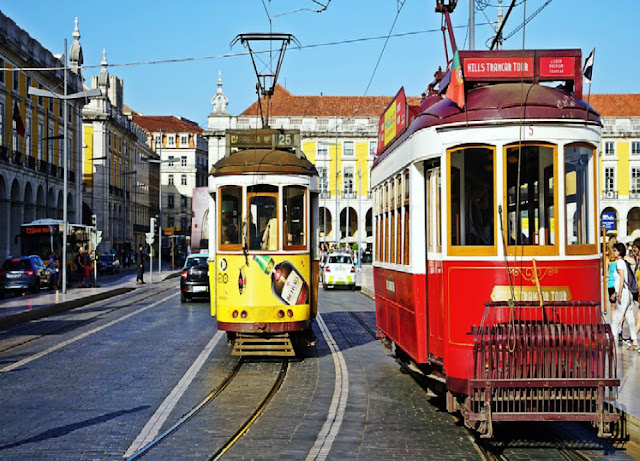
(194, 278)
(339, 270)
(24, 273)
(107, 262)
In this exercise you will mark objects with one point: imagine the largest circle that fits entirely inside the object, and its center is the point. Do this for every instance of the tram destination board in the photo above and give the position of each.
(264, 138)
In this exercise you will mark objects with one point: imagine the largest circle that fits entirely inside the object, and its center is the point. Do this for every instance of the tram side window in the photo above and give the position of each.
(530, 204)
(294, 217)
(230, 216)
(472, 197)
(579, 174)
(263, 217)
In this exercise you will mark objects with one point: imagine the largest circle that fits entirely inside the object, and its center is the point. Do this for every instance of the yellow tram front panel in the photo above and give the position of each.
(262, 288)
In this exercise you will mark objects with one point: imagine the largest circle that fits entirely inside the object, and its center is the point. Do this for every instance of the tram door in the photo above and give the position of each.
(435, 301)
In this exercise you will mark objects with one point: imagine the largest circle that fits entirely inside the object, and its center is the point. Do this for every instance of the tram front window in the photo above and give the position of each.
(294, 217)
(230, 212)
(579, 175)
(530, 195)
(263, 218)
(472, 197)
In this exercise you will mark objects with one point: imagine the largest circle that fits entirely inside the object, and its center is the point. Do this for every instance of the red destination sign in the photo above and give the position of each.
(560, 66)
(493, 67)
(37, 230)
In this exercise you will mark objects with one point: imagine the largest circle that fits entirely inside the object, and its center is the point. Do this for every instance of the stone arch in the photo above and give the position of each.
(40, 203)
(86, 213)
(60, 206)
(29, 203)
(71, 213)
(633, 220)
(353, 222)
(328, 220)
(16, 217)
(51, 204)
(368, 224)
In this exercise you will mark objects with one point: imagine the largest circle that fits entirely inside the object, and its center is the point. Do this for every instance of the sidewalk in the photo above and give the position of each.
(628, 368)
(18, 309)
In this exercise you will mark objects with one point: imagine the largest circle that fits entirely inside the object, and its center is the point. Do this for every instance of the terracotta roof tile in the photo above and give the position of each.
(286, 104)
(615, 105)
(165, 123)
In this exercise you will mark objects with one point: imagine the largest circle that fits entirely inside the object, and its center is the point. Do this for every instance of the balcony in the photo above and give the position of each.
(43, 167)
(53, 171)
(17, 158)
(4, 154)
(325, 194)
(348, 195)
(634, 194)
(31, 162)
(610, 194)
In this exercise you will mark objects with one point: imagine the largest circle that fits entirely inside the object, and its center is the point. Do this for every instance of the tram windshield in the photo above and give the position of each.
(263, 217)
(230, 213)
(472, 197)
(294, 217)
(579, 175)
(530, 206)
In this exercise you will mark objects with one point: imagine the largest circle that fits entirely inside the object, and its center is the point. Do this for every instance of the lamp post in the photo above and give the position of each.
(360, 217)
(126, 190)
(64, 97)
(337, 208)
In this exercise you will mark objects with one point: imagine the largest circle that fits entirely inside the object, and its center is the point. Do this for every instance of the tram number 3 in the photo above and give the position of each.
(223, 278)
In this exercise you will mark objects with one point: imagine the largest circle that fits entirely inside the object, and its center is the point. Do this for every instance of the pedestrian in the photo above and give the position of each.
(611, 282)
(624, 300)
(140, 263)
(80, 266)
(89, 280)
(635, 267)
(54, 267)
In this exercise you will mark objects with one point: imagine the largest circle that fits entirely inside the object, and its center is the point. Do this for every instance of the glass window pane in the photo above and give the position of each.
(530, 206)
(263, 220)
(472, 197)
(294, 217)
(578, 188)
(230, 211)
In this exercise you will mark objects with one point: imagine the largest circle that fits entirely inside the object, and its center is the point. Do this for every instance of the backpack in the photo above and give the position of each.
(631, 281)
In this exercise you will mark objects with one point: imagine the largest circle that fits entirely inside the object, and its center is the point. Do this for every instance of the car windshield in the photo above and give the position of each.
(196, 261)
(106, 258)
(340, 259)
(16, 265)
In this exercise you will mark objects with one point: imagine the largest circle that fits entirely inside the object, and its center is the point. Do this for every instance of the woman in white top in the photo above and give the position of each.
(624, 300)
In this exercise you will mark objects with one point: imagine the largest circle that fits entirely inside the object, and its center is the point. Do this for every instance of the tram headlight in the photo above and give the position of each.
(290, 313)
(243, 314)
(234, 314)
(281, 313)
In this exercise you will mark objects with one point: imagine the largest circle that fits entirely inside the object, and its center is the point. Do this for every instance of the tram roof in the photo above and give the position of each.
(495, 103)
(263, 161)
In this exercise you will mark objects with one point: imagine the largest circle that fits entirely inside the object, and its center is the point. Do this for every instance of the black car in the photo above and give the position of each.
(25, 273)
(194, 280)
(107, 262)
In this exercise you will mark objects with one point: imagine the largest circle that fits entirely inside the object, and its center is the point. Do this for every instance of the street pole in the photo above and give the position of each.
(359, 217)
(160, 211)
(65, 166)
(346, 238)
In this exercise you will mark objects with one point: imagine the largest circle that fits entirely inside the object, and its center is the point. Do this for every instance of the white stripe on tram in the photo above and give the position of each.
(79, 337)
(151, 430)
(329, 431)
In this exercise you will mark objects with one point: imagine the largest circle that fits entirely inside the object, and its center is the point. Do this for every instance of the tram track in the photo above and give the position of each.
(244, 427)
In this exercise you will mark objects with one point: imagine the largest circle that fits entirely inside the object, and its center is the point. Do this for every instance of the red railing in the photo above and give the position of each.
(554, 363)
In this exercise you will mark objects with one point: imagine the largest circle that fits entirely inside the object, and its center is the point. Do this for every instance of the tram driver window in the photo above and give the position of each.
(530, 195)
(294, 217)
(230, 212)
(472, 197)
(262, 219)
(579, 174)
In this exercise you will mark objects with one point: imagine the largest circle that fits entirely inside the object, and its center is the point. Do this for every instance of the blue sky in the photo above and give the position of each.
(144, 30)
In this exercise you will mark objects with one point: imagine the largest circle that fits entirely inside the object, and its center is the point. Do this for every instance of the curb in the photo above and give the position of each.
(22, 317)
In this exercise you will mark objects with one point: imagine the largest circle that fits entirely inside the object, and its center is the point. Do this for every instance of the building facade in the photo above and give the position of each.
(182, 149)
(620, 163)
(120, 184)
(32, 133)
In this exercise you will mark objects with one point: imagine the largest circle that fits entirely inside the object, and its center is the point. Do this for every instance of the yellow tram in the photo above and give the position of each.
(263, 261)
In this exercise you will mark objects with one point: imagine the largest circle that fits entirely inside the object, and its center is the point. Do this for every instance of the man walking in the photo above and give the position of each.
(140, 263)
(89, 280)
(80, 265)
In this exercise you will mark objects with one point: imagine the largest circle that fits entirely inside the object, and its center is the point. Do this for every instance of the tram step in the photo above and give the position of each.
(263, 346)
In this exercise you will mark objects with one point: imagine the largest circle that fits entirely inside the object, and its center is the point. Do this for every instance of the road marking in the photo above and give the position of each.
(329, 431)
(79, 337)
(151, 430)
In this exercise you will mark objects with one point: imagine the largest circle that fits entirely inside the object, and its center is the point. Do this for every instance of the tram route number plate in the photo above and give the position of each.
(252, 139)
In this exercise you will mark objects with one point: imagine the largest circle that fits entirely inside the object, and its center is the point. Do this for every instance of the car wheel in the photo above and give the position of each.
(183, 298)
(36, 288)
(324, 286)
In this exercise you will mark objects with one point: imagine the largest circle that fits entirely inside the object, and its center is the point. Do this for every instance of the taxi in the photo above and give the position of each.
(339, 270)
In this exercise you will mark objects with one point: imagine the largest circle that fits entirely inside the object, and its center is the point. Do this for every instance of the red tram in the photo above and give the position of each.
(487, 268)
